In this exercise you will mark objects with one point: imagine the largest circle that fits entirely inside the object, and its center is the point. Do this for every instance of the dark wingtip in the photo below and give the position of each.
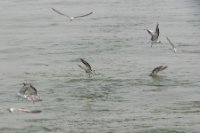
(81, 59)
(36, 111)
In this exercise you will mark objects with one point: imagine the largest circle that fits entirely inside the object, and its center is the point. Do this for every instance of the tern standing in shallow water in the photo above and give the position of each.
(70, 18)
(29, 92)
(154, 35)
(87, 68)
(156, 70)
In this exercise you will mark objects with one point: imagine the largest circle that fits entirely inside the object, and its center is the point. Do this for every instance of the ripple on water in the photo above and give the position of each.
(31, 129)
(165, 130)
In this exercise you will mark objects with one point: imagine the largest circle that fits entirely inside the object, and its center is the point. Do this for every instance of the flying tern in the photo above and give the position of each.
(154, 35)
(173, 47)
(70, 17)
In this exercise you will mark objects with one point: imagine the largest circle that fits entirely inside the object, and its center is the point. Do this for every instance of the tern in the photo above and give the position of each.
(23, 110)
(154, 35)
(88, 69)
(70, 18)
(29, 92)
(156, 70)
(174, 48)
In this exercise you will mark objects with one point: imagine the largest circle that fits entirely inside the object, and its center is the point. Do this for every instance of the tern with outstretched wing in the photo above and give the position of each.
(156, 70)
(173, 46)
(70, 17)
(154, 35)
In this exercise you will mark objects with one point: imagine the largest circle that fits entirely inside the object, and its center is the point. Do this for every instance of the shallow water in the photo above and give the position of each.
(40, 47)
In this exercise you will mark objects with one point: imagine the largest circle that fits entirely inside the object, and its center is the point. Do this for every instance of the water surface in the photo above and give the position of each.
(40, 47)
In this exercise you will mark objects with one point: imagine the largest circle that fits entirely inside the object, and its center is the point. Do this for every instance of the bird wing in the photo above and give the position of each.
(157, 30)
(158, 69)
(58, 12)
(171, 44)
(86, 64)
(150, 32)
(154, 35)
(32, 90)
(163, 68)
(155, 70)
(22, 91)
(84, 15)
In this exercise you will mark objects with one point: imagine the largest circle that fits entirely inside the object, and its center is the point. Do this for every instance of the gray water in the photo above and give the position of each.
(43, 48)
